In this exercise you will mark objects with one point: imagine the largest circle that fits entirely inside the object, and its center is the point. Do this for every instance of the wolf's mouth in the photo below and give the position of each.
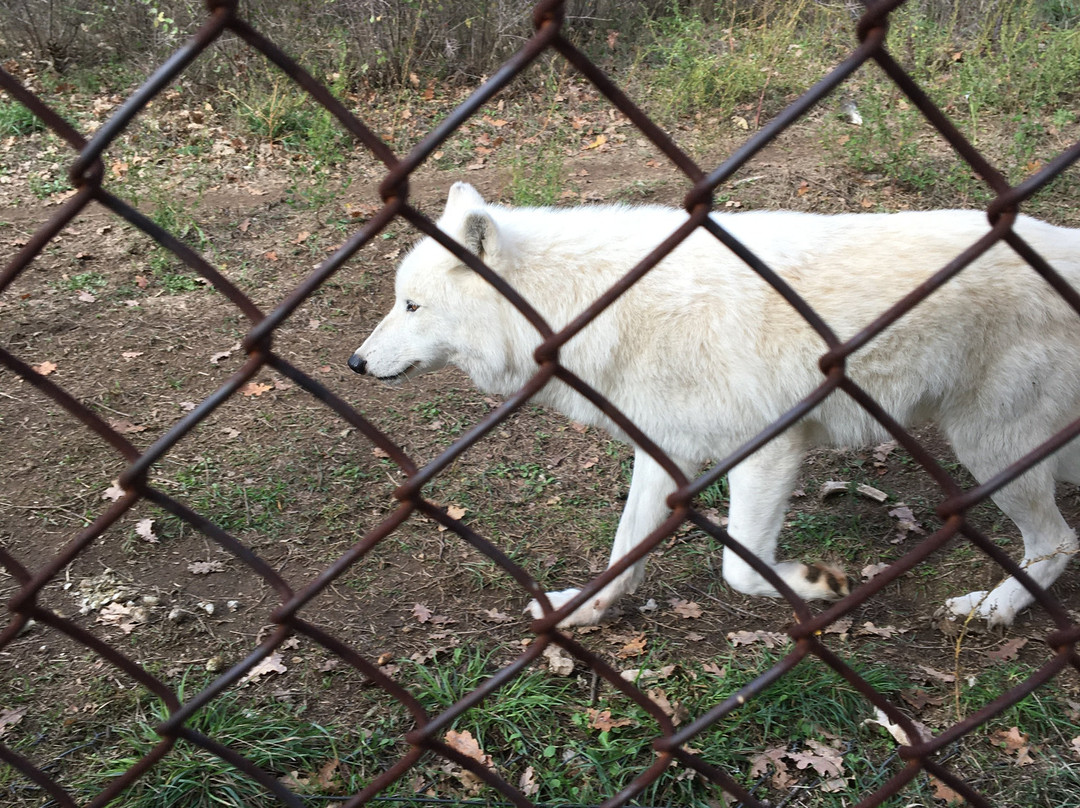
(399, 377)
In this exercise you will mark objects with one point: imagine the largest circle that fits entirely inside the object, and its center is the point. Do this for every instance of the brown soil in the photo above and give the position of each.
(299, 486)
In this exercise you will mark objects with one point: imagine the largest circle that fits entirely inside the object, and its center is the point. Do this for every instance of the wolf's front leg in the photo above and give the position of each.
(760, 487)
(646, 508)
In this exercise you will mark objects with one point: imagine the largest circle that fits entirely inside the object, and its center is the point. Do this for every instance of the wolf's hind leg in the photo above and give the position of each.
(1049, 543)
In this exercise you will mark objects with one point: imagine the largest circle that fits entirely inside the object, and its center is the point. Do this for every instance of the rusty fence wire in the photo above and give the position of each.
(87, 173)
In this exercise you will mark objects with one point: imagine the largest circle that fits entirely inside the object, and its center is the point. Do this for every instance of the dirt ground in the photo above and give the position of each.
(118, 326)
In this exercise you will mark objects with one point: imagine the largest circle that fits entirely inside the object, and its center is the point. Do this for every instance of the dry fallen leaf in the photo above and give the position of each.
(635, 647)
(676, 712)
(454, 512)
(947, 678)
(642, 675)
(272, 664)
(113, 492)
(122, 615)
(1008, 650)
(125, 427)
(882, 452)
(45, 368)
(825, 760)
(9, 718)
(919, 698)
(255, 389)
(327, 776)
(527, 784)
(878, 631)
(465, 744)
(421, 612)
(1014, 742)
(839, 626)
(495, 616)
(144, 529)
(771, 639)
(686, 609)
(559, 662)
(759, 766)
(945, 793)
(602, 720)
(205, 567)
(905, 522)
(871, 570)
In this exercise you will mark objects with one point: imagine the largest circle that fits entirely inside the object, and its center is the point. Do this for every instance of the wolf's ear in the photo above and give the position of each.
(481, 235)
(463, 196)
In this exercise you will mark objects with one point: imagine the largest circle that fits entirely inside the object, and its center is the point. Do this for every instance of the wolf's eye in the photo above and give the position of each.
(410, 306)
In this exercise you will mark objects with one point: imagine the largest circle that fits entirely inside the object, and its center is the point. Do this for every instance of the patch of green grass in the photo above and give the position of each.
(543, 727)
(273, 109)
(234, 502)
(85, 282)
(276, 740)
(15, 119)
(825, 533)
(716, 495)
(744, 54)
(172, 215)
(638, 191)
(43, 185)
(537, 175)
(444, 411)
(572, 746)
(178, 282)
(1018, 66)
(532, 479)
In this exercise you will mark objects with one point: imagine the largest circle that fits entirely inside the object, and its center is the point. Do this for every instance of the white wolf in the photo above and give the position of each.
(701, 354)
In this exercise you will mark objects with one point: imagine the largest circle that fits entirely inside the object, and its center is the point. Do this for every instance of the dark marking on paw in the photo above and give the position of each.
(837, 582)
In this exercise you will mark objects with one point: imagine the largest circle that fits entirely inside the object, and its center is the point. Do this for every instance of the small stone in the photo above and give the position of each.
(178, 615)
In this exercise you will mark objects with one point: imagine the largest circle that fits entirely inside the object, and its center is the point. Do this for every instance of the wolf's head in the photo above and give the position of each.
(440, 305)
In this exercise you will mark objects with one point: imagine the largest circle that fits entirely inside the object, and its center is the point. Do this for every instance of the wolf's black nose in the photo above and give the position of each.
(357, 364)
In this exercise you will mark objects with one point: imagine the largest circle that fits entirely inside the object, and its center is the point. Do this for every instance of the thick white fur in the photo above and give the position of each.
(702, 355)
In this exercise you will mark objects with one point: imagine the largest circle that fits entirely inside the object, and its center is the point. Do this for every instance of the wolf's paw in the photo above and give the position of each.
(825, 582)
(984, 605)
(587, 615)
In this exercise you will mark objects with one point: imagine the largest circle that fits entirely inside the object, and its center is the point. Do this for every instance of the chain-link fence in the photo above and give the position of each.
(88, 174)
